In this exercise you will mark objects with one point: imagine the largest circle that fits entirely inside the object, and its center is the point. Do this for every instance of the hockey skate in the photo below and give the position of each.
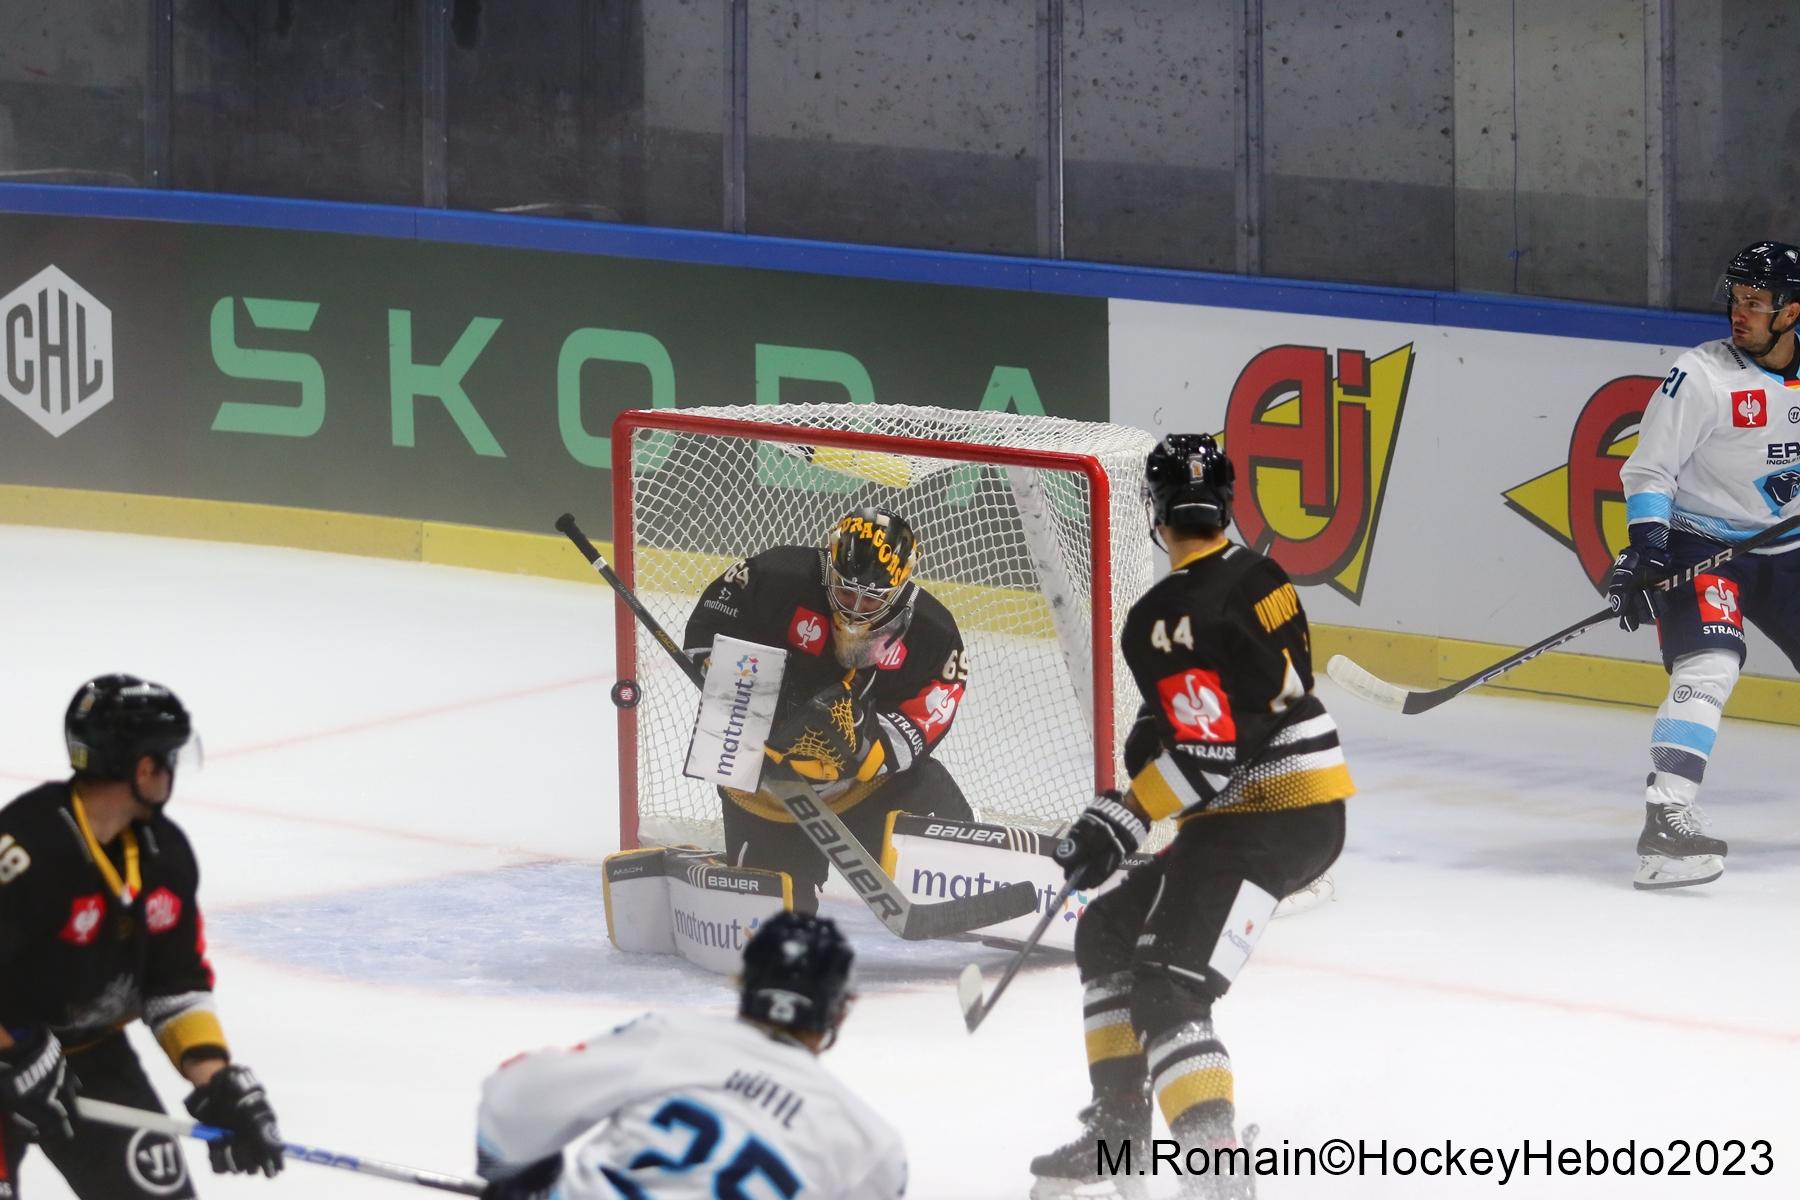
(1674, 849)
(1230, 1186)
(1072, 1171)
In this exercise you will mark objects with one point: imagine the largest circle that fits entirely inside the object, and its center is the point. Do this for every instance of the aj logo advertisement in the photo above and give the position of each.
(1314, 434)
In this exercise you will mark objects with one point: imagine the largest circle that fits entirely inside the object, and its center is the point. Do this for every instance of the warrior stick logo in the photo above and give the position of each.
(1582, 503)
(1315, 447)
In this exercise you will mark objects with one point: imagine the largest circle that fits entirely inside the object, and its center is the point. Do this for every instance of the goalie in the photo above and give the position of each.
(876, 670)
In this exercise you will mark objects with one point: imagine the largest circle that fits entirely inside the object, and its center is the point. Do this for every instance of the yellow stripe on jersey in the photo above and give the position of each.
(1278, 608)
(1161, 789)
(1287, 790)
(190, 1031)
(766, 806)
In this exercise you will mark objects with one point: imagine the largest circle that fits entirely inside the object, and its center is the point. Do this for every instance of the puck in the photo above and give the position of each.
(626, 693)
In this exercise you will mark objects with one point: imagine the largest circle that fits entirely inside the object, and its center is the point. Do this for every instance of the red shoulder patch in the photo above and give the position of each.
(932, 709)
(162, 910)
(806, 631)
(1197, 706)
(86, 915)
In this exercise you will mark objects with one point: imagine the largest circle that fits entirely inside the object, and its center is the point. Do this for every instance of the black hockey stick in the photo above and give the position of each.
(968, 985)
(823, 827)
(1361, 682)
(155, 1122)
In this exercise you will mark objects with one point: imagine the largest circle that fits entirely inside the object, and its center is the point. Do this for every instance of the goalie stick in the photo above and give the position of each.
(1361, 682)
(823, 827)
(968, 984)
(108, 1113)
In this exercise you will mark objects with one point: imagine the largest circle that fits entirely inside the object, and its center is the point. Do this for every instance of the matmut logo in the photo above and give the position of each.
(1581, 502)
(56, 351)
(1313, 446)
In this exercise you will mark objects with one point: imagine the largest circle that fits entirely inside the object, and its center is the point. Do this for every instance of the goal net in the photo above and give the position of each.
(1030, 530)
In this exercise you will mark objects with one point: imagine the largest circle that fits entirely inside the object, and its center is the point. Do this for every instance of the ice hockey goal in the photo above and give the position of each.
(1031, 532)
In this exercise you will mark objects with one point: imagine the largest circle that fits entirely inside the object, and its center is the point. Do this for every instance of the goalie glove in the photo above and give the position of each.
(820, 740)
(1099, 840)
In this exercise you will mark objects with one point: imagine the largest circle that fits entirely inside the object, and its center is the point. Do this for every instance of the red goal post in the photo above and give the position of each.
(1031, 532)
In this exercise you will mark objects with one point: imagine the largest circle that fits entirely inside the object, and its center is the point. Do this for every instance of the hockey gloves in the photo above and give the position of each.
(1645, 559)
(37, 1090)
(234, 1101)
(1098, 841)
(818, 740)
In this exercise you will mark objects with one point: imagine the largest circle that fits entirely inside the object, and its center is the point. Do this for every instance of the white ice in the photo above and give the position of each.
(410, 783)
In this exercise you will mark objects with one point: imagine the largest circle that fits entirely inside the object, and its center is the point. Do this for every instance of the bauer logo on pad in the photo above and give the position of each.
(737, 707)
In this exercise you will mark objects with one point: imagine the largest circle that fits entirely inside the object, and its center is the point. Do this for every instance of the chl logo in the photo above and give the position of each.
(162, 910)
(56, 344)
(1314, 448)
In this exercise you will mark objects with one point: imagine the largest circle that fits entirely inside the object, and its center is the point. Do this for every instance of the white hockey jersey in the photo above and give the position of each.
(686, 1105)
(1718, 452)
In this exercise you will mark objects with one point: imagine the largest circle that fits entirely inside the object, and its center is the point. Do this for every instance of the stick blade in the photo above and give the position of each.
(968, 993)
(971, 912)
(1358, 681)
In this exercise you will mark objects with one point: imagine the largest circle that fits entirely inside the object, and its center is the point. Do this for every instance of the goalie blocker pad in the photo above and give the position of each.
(737, 707)
(687, 901)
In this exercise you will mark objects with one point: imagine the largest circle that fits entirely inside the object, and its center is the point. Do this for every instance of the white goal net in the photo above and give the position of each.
(1031, 532)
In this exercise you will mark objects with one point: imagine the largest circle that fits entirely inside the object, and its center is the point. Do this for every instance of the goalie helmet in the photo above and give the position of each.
(1771, 265)
(797, 974)
(114, 720)
(1188, 483)
(869, 562)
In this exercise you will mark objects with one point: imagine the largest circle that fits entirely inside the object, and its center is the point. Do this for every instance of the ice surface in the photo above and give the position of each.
(410, 785)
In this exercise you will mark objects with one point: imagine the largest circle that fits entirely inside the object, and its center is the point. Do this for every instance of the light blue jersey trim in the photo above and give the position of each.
(1721, 530)
(1689, 735)
(1648, 506)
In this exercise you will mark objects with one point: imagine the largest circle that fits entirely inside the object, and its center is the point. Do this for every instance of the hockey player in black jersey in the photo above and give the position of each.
(1232, 743)
(875, 673)
(99, 926)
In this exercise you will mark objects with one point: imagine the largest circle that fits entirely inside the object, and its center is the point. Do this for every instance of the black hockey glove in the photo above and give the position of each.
(1645, 559)
(37, 1089)
(533, 1183)
(818, 741)
(234, 1101)
(1098, 841)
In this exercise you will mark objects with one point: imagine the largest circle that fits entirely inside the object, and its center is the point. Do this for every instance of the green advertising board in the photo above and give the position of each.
(455, 382)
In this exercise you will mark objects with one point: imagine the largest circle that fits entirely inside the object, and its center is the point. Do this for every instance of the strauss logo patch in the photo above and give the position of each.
(807, 631)
(1719, 601)
(1196, 705)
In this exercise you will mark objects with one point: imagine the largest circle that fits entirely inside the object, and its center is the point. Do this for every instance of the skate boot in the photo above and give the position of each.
(1230, 1184)
(1077, 1170)
(1674, 849)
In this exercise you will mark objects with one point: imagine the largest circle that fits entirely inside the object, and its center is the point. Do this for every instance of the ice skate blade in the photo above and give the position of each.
(1657, 872)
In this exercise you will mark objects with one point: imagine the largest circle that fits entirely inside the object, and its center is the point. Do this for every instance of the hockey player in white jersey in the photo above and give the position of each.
(679, 1106)
(1717, 461)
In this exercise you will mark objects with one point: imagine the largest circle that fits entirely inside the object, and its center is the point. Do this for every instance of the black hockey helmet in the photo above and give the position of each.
(1189, 483)
(869, 563)
(797, 974)
(114, 720)
(1771, 265)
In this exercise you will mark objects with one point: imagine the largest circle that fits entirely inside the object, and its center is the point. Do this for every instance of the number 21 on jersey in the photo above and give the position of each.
(1163, 640)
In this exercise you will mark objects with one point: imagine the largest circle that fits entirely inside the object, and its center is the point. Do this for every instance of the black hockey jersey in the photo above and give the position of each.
(1221, 653)
(81, 958)
(908, 700)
